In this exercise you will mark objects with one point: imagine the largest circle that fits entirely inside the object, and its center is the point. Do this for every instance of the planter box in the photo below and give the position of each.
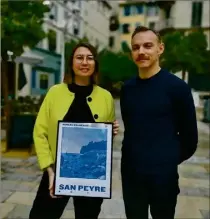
(20, 133)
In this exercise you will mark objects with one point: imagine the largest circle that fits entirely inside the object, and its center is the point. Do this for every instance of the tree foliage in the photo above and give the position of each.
(116, 67)
(21, 25)
(185, 53)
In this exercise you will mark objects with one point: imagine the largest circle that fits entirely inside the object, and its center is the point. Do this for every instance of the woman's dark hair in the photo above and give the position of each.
(69, 75)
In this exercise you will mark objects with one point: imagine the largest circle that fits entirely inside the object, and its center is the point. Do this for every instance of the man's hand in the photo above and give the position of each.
(116, 127)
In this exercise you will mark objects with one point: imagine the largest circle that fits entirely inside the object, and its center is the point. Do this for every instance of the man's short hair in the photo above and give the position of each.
(140, 29)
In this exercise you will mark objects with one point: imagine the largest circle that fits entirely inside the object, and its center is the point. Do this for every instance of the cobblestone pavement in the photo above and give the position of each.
(20, 180)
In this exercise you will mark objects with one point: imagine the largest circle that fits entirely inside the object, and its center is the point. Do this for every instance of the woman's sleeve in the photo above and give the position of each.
(111, 109)
(40, 133)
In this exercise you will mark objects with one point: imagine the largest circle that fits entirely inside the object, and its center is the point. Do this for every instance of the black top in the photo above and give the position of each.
(160, 123)
(79, 110)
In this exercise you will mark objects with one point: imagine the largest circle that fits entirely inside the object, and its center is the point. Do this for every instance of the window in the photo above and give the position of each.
(140, 9)
(76, 27)
(54, 12)
(52, 40)
(152, 25)
(134, 10)
(44, 81)
(152, 11)
(76, 31)
(197, 9)
(127, 10)
(126, 28)
(66, 14)
(111, 41)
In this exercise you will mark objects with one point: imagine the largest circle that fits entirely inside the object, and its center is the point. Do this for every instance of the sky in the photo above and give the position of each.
(75, 138)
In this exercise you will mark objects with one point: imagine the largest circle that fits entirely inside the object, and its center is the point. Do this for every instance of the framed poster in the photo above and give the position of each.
(84, 159)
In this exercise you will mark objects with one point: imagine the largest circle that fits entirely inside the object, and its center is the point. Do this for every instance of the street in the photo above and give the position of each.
(20, 180)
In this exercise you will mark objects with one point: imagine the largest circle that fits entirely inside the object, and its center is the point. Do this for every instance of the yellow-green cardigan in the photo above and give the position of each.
(54, 107)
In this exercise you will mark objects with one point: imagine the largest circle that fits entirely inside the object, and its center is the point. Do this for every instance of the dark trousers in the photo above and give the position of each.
(157, 191)
(45, 207)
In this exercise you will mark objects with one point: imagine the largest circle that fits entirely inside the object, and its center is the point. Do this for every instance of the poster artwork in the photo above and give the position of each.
(84, 159)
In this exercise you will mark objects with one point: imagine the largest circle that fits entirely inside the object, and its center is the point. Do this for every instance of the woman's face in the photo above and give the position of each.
(83, 62)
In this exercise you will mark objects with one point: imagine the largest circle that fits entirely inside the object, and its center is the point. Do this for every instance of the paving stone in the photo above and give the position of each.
(114, 208)
(8, 185)
(24, 198)
(197, 160)
(19, 212)
(205, 214)
(20, 177)
(5, 208)
(25, 186)
(196, 175)
(35, 189)
(68, 214)
(198, 192)
(5, 195)
(70, 205)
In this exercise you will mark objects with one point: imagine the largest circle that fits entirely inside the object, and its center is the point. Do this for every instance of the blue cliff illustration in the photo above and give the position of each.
(88, 162)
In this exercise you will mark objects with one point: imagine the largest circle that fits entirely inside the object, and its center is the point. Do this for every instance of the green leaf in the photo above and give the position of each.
(21, 24)
(185, 52)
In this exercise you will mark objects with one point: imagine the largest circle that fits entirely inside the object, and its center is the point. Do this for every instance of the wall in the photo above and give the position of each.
(95, 23)
(182, 14)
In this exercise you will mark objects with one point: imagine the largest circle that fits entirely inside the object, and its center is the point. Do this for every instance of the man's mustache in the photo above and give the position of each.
(142, 58)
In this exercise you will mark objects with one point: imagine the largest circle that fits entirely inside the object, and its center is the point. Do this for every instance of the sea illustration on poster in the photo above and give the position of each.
(80, 156)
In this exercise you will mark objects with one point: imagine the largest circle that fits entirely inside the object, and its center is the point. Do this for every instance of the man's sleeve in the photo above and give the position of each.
(187, 122)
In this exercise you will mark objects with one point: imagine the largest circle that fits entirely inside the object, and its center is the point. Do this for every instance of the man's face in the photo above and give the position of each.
(146, 49)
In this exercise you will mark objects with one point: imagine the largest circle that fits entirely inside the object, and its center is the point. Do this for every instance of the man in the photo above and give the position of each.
(160, 131)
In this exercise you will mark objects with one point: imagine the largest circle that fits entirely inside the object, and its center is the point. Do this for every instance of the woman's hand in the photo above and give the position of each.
(116, 127)
(51, 175)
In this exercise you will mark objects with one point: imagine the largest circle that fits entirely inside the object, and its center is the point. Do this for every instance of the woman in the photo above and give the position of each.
(78, 99)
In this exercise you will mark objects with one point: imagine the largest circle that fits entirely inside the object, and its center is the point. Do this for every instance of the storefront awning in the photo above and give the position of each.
(29, 58)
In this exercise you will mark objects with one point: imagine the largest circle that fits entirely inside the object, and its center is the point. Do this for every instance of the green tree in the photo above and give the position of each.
(125, 48)
(115, 67)
(185, 53)
(21, 25)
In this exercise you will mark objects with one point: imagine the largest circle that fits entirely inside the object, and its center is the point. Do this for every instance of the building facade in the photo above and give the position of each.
(67, 19)
(95, 24)
(183, 15)
(61, 23)
(192, 14)
(133, 14)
